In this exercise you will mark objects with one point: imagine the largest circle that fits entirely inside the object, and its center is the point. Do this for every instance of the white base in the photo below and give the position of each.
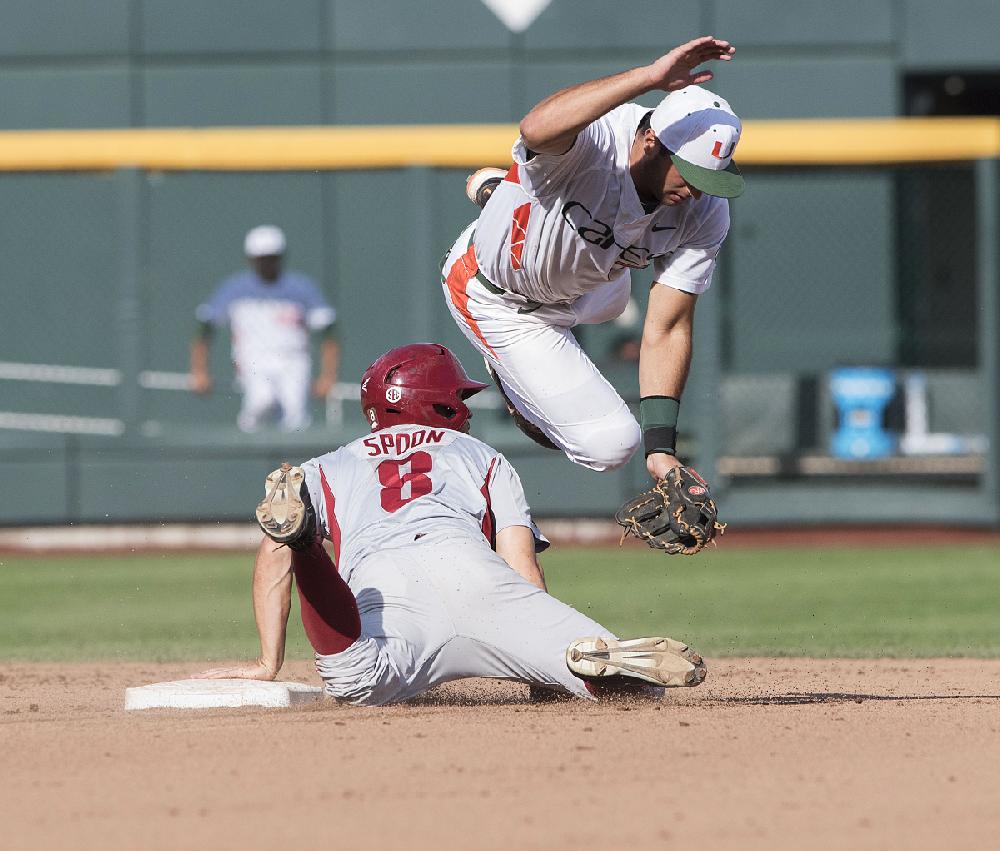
(207, 694)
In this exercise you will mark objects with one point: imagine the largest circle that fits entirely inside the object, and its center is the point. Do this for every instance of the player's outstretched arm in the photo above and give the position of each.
(552, 125)
(272, 595)
(516, 546)
(665, 356)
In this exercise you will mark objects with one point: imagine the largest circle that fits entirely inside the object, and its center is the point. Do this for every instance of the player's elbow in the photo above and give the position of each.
(531, 132)
(540, 137)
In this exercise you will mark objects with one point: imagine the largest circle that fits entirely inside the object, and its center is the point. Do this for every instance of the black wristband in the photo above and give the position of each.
(658, 418)
(660, 439)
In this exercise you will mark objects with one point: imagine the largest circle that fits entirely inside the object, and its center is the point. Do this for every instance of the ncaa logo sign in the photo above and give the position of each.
(393, 395)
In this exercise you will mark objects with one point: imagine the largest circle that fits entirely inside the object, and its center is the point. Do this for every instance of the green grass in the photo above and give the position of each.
(795, 602)
(142, 607)
(812, 602)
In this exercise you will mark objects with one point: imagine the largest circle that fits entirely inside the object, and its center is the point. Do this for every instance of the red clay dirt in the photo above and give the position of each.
(768, 753)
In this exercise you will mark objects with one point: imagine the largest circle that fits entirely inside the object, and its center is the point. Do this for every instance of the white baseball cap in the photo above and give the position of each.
(701, 131)
(264, 241)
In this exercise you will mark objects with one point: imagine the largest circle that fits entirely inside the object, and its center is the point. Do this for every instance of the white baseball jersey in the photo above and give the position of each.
(267, 319)
(561, 226)
(403, 483)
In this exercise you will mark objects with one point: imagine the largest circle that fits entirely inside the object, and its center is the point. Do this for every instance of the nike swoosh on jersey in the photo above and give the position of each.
(664, 227)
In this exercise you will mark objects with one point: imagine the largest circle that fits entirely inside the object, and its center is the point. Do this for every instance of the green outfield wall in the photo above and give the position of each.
(859, 242)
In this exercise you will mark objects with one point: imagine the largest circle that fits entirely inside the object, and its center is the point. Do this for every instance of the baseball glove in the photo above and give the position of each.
(677, 515)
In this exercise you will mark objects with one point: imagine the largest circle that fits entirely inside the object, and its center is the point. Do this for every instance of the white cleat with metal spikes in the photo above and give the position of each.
(282, 513)
(661, 661)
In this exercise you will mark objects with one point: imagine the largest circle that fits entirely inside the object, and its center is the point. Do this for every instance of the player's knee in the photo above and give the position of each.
(610, 442)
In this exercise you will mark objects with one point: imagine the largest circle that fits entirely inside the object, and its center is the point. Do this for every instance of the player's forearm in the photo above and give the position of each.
(272, 596)
(199, 355)
(665, 351)
(516, 546)
(329, 359)
(552, 125)
(528, 568)
(664, 361)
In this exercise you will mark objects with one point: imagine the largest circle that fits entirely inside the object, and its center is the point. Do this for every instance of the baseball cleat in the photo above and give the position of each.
(661, 661)
(480, 185)
(285, 513)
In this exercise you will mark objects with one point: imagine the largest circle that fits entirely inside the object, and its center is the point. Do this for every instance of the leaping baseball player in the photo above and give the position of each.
(600, 186)
(434, 575)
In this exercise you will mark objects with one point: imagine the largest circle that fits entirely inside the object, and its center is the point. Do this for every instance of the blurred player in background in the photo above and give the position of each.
(599, 186)
(435, 575)
(270, 313)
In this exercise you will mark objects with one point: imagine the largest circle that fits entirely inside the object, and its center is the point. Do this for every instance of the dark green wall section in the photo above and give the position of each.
(409, 29)
(60, 241)
(809, 271)
(185, 27)
(56, 30)
(65, 98)
(105, 63)
(945, 36)
(834, 24)
(233, 94)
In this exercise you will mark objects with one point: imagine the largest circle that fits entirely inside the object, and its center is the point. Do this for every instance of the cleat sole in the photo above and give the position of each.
(661, 661)
(282, 513)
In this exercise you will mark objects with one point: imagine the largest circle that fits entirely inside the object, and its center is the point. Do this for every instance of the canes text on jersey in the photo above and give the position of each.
(401, 441)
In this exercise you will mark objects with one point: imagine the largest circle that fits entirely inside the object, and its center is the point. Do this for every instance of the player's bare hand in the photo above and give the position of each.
(201, 383)
(255, 671)
(322, 386)
(676, 69)
(659, 464)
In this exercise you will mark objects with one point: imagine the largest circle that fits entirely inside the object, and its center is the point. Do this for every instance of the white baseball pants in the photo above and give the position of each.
(271, 381)
(544, 372)
(438, 610)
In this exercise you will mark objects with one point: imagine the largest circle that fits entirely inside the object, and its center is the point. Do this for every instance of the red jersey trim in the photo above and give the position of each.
(331, 516)
(489, 519)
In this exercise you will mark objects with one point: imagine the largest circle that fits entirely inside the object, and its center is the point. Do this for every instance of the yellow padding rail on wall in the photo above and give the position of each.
(788, 143)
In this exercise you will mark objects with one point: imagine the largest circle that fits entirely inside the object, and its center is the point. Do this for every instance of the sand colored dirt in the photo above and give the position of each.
(766, 754)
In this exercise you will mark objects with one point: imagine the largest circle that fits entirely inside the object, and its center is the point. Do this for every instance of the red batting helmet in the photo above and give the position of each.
(422, 383)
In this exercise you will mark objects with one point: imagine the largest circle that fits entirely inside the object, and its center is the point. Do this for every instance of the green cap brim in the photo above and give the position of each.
(727, 183)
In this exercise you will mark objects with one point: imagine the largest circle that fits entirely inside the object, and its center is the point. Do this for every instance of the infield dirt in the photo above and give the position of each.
(768, 753)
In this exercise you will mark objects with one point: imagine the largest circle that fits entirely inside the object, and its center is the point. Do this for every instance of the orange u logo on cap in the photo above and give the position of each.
(717, 151)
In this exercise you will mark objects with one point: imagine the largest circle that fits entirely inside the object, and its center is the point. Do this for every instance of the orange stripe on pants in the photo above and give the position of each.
(463, 271)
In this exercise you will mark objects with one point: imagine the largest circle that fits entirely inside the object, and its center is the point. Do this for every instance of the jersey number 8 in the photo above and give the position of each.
(404, 480)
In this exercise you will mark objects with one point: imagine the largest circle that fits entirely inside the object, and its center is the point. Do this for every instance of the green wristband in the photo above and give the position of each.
(658, 419)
